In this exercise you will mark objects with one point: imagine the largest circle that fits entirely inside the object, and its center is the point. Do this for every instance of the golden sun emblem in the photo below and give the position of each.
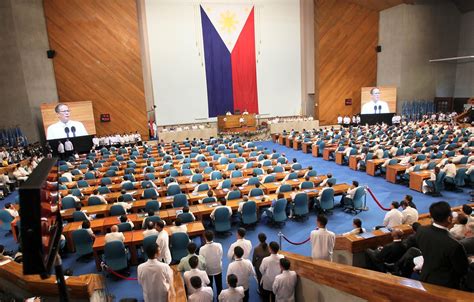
(228, 21)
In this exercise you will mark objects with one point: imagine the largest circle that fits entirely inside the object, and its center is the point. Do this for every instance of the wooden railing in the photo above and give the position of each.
(365, 284)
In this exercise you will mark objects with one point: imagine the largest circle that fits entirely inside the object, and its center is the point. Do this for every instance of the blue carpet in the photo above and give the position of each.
(339, 221)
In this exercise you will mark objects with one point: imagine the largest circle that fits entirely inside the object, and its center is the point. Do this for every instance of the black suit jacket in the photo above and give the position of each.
(445, 260)
(392, 252)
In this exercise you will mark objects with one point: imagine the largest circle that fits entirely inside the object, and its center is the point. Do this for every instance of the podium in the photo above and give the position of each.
(236, 122)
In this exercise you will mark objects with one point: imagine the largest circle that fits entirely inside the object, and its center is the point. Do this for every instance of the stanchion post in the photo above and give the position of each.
(279, 240)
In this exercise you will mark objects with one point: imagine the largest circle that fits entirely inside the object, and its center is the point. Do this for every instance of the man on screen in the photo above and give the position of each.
(375, 106)
(65, 128)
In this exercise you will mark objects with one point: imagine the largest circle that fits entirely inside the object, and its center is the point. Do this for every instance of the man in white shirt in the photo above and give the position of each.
(114, 235)
(269, 269)
(406, 159)
(394, 217)
(155, 277)
(65, 126)
(322, 240)
(450, 169)
(285, 283)
(243, 269)
(11, 210)
(375, 106)
(410, 215)
(150, 230)
(212, 253)
(245, 244)
(61, 150)
(193, 262)
(184, 265)
(202, 293)
(68, 147)
(163, 243)
(234, 293)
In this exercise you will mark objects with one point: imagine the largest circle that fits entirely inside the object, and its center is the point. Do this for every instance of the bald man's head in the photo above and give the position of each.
(114, 229)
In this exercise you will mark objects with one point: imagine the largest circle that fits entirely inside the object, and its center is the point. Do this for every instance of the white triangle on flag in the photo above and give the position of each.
(228, 20)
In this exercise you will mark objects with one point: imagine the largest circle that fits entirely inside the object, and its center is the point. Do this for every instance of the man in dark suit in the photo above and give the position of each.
(389, 253)
(445, 260)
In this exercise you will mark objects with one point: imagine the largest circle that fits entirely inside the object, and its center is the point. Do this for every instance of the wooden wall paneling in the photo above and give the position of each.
(98, 59)
(346, 37)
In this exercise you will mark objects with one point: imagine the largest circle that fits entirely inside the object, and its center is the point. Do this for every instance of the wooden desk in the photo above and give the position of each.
(296, 144)
(353, 161)
(228, 122)
(417, 178)
(288, 142)
(339, 157)
(134, 238)
(275, 137)
(393, 171)
(306, 146)
(315, 150)
(80, 288)
(372, 165)
(327, 152)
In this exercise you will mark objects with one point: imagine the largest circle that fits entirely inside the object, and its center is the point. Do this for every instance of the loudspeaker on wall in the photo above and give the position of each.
(50, 53)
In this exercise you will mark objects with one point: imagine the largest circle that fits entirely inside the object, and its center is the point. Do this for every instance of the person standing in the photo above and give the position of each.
(162, 241)
(245, 244)
(242, 269)
(445, 260)
(285, 283)
(61, 150)
(212, 252)
(69, 148)
(261, 251)
(322, 240)
(155, 277)
(234, 293)
(270, 268)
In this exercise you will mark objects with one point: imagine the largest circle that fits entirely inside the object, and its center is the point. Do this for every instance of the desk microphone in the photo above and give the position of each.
(73, 130)
(375, 108)
(67, 131)
(380, 111)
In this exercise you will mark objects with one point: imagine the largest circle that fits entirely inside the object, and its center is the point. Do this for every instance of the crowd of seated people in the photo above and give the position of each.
(417, 145)
(14, 155)
(440, 253)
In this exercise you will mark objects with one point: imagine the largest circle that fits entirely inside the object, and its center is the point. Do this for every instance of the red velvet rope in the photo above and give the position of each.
(376, 200)
(117, 274)
(295, 243)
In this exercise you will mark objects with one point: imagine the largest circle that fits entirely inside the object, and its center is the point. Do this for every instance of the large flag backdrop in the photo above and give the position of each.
(230, 60)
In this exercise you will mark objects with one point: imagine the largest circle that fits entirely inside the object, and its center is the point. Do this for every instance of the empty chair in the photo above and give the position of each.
(117, 210)
(150, 193)
(269, 179)
(284, 188)
(180, 200)
(312, 173)
(68, 203)
(196, 178)
(253, 181)
(256, 192)
(93, 201)
(82, 184)
(301, 205)
(307, 185)
(79, 216)
(103, 190)
(292, 175)
(152, 205)
(115, 256)
(222, 220)
(249, 213)
(203, 187)
(173, 190)
(278, 214)
(235, 174)
(83, 242)
(326, 200)
(234, 195)
(278, 169)
(216, 175)
(105, 181)
(178, 246)
(147, 241)
(124, 227)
